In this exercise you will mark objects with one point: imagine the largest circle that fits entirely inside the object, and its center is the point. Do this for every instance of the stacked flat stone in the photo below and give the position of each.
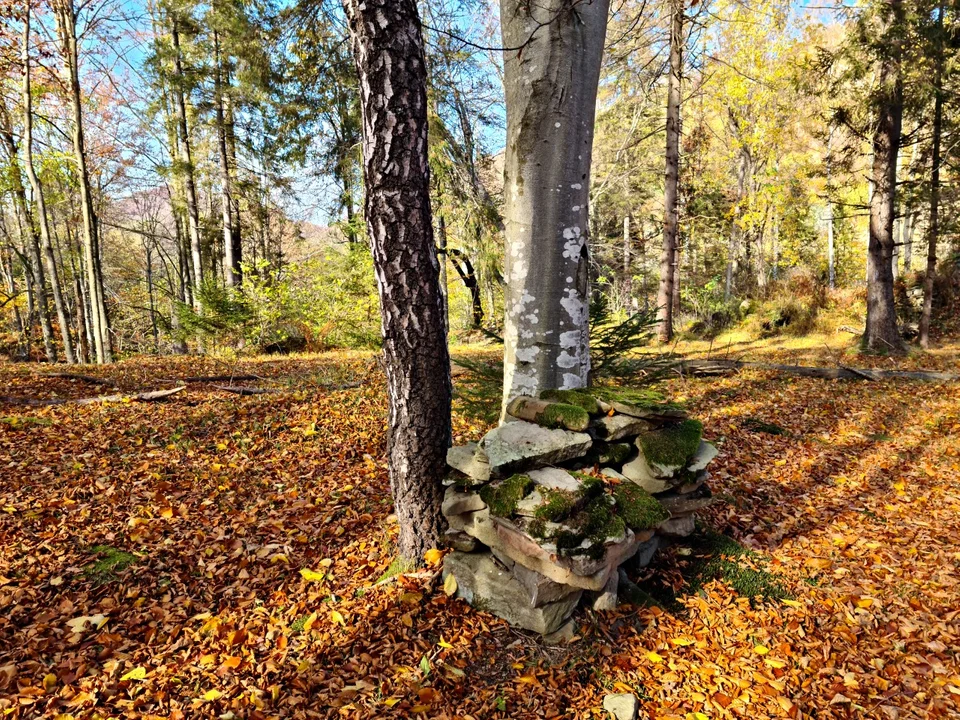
(548, 505)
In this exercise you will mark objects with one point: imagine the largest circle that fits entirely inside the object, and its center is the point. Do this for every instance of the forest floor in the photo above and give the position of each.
(219, 556)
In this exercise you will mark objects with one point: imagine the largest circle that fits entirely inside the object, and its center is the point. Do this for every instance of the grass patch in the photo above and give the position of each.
(399, 566)
(110, 564)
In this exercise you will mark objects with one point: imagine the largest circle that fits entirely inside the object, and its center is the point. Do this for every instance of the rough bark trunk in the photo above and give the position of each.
(388, 50)
(39, 200)
(551, 72)
(933, 226)
(186, 162)
(881, 333)
(67, 29)
(668, 256)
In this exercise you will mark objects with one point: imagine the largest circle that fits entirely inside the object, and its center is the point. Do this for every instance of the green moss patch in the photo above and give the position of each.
(639, 509)
(596, 522)
(557, 504)
(110, 563)
(561, 415)
(671, 445)
(502, 497)
(573, 397)
(645, 399)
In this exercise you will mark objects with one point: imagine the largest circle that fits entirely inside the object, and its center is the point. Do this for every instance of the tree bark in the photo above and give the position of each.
(389, 55)
(38, 199)
(469, 277)
(668, 256)
(881, 333)
(67, 29)
(186, 162)
(231, 264)
(933, 226)
(30, 241)
(551, 72)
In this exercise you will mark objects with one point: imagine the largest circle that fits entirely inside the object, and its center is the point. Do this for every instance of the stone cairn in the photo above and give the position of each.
(533, 532)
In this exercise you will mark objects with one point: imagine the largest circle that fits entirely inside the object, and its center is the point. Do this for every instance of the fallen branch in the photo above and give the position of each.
(245, 391)
(219, 378)
(83, 378)
(708, 368)
(139, 397)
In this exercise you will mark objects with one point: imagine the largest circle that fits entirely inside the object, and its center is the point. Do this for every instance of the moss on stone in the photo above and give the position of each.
(561, 415)
(595, 522)
(639, 509)
(645, 398)
(557, 504)
(672, 445)
(573, 397)
(502, 497)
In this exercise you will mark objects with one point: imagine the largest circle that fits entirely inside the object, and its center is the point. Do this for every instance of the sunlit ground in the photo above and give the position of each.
(151, 557)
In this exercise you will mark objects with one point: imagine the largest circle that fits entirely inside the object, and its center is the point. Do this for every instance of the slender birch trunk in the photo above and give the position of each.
(551, 71)
(231, 265)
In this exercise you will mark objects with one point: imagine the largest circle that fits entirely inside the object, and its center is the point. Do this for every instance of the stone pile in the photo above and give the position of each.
(548, 505)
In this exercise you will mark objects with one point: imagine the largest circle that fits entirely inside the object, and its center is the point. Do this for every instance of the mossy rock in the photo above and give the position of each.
(649, 401)
(639, 509)
(560, 504)
(502, 497)
(549, 414)
(596, 522)
(672, 445)
(573, 397)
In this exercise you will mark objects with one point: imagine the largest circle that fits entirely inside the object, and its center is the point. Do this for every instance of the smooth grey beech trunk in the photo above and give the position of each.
(552, 55)
(389, 55)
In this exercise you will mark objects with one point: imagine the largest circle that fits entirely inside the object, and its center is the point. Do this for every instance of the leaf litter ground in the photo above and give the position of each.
(218, 556)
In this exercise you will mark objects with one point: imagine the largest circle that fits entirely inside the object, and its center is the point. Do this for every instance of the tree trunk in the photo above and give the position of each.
(231, 265)
(388, 50)
(933, 227)
(469, 277)
(31, 242)
(444, 289)
(627, 282)
(39, 201)
(551, 71)
(67, 28)
(668, 256)
(831, 249)
(881, 334)
(186, 162)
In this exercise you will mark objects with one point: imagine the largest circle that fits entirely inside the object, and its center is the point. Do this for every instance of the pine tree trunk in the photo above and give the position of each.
(933, 227)
(39, 201)
(668, 257)
(231, 265)
(627, 272)
(881, 334)
(551, 72)
(67, 28)
(186, 163)
(389, 54)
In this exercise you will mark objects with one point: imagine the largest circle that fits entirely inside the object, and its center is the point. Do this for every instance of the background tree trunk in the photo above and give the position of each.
(881, 334)
(668, 256)
(67, 28)
(38, 199)
(231, 264)
(933, 227)
(389, 55)
(551, 91)
(186, 162)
